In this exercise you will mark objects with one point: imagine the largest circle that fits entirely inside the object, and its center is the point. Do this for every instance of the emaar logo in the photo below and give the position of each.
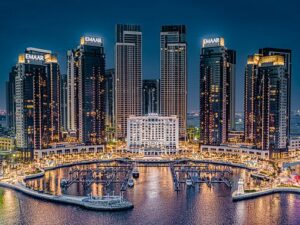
(34, 57)
(93, 39)
(212, 42)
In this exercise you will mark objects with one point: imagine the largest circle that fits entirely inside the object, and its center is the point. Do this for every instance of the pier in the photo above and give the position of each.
(192, 174)
(103, 174)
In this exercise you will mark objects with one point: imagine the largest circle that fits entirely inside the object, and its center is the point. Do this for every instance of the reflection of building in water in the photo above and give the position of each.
(152, 134)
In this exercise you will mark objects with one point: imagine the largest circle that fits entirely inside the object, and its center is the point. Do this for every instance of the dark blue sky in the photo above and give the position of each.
(58, 24)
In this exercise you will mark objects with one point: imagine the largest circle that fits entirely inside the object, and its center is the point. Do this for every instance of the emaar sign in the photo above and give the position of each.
(213, 42)
(34, 57)
(94, 41)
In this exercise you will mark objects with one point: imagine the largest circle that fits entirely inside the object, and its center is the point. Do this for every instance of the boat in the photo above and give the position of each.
(107, 202)
(63, 182)
(130, 183)
(260, 176)
(189, 182)
(135, 173)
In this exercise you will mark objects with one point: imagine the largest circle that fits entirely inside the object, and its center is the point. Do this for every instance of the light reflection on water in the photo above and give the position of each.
(155, 202)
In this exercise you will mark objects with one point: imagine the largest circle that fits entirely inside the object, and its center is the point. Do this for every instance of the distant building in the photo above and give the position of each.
(128, 82)
(267, 103)
(86, 90)
(236, 136)
(151, 96)
(173, 74)
(37, 91)
(153, 134)
(217, 91)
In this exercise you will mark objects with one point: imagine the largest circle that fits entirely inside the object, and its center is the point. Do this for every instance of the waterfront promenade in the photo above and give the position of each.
(260, 193)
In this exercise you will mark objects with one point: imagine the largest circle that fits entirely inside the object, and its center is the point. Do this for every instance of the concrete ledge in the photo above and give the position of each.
(71, 200)
(256, 194)
(242, 166)
(79, 163)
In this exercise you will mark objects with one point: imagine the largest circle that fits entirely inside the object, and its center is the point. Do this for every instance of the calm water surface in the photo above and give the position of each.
(155, 202)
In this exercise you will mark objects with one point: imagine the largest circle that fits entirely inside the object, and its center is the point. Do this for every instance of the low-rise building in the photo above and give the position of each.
(235, 149)
(62, 149)
(294, 146)
(7, 143)
(153, 134)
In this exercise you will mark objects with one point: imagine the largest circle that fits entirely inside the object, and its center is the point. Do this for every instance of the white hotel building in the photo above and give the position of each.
(152, 134)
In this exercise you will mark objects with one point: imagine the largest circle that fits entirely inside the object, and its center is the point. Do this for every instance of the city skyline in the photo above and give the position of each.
(149, 112)
(250, 36)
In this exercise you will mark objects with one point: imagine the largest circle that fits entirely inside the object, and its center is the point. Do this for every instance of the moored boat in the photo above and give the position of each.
(130, 183)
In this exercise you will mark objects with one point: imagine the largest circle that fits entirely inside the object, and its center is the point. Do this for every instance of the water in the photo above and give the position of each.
(155, 202)
(193, 121)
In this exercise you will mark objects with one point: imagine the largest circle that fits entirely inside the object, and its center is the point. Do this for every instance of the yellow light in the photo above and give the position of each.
(82, 41)
(276, 60)
(253, 59)
(21, 58)
(50, 58)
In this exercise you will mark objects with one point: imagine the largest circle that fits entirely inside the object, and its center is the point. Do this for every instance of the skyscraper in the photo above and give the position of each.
(37, 100)
(109, 97)
(287, 54)
(173, 74)
(10, 100)
(72, 92)
(86, 90)
(267, 102)
(128, 82)
(64, 102)
(53, 94)
(217, 96)
(151, 96)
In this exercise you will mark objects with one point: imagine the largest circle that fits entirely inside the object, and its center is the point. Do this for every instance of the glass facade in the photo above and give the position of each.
(173, 74)
(217, 96)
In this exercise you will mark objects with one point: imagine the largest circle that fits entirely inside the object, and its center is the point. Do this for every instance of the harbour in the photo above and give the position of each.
(155, 202)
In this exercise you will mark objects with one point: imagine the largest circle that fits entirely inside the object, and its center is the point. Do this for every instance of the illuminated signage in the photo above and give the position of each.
(34, 57)
(213, 42)
(95, 41)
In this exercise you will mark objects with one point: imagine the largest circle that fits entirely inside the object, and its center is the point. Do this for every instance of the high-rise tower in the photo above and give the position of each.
(267, 102)
(173, 74)
(217, 95)
(86, 90)
(128, 72)
(37, 90)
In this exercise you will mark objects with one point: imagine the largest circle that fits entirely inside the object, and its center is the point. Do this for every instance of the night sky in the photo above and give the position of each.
(58, 24)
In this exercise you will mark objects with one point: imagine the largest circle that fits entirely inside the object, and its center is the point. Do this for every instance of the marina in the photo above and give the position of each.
(155, 202)
(191, 174)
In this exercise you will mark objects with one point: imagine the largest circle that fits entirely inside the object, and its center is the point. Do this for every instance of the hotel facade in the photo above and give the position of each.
(153, 134)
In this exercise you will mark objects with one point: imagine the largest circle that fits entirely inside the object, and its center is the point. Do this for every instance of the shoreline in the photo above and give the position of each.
(63, 199)
(77, 200)
(257, 194)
